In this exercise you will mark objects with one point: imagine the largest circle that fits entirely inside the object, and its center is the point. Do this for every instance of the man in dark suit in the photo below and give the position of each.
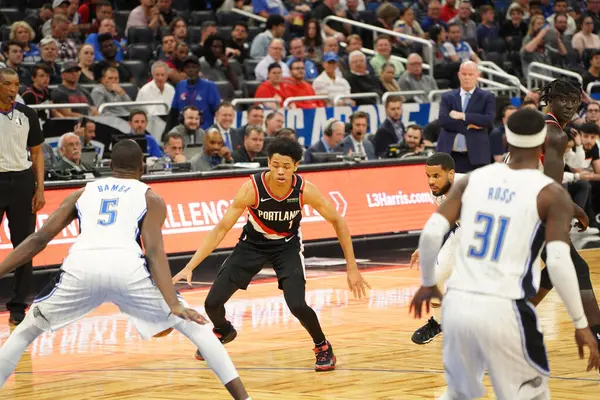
(332, 136)
(355, 143)
(256, 117)
(69, 146)
(254, 142)
(392, 130)
(466, 117)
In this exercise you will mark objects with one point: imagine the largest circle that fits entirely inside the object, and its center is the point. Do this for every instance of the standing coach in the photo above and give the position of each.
(466, 117)
(21, 179)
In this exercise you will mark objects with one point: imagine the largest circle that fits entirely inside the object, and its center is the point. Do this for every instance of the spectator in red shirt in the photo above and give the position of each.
(296, 86)
(449, 11)
(94, 12)
(272, 87)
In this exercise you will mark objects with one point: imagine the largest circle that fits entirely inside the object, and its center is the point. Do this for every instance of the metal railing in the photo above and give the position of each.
(249, 15)
(366, 95)
(249, 100)
(492, 70)
(494, 86)
(59, 106)
(104, 106)
(426, 43)
(404, 93)
(531, 75)
(591, 86)
(434, 93)
(290, 100)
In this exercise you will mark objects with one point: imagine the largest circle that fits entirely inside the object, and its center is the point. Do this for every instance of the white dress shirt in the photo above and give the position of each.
(323, 84)
(262, 68)
(151, 92)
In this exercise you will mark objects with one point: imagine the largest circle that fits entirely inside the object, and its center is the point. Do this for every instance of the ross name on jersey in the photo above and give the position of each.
(500, 194)
(113, 188)
(278, 215)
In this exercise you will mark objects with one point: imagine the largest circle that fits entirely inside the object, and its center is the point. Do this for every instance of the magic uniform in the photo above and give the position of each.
(271, 236)
(488, 322)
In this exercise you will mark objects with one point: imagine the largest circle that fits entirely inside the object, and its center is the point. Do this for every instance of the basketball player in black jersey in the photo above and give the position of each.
(563, 98)
(274, 200)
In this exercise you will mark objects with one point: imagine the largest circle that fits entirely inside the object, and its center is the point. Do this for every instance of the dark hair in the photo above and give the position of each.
(393, 99)
(526, 103)
(133, 113)
(240, 23)
(443, 160)
(252, 128)
(173, 135)
(273, 115)
(416, 127)
(7, 71)
(559, 87)
(318, 39)
(285, 146)
(223, 104)
(383, 37)
(591, 128)
(297, 60)
(485, 9)
(40, 66)
(6, 45)
(207, 24)
(274, 20)
(174, 22)
(358, 115)
(434, 32)
(126, 155)
(286, 132)
(453, 24)
(208, 53)
(526, 122)
(254, 107)
(556, 15)
(273, 66)
(109, 68)
(104, 37)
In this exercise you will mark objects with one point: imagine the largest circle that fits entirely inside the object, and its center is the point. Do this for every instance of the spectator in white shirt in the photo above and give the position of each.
(331, 84)
(275, 55)
(157, 89)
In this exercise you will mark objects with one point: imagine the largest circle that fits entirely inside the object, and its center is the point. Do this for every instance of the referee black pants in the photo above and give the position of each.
(16, 195)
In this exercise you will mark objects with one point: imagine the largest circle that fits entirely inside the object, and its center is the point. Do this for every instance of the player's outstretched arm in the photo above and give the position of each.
(36, 242)
(245, 197)
(430, 244)
(315, 199)
(556, 146)
(555, 208)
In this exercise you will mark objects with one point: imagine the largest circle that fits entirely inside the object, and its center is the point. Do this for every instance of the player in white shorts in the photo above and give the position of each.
(440, 177)
(507, 212)
(106, 264)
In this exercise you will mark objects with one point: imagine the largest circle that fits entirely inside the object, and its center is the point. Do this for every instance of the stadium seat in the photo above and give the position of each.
(130, 89)
(5, 32)
(162, 31)
(140, 34)
(194, 34)
(495, 45)
(121, 17)
(54, 127)
(443, 83)
(197, 18)
(181, 5)
(89, 86)
(225, 90)
(225, 32)
(249, 88)
(367, 16)
(229, 18)
(196, 49)
(139, 71)
(12, 14)
(253, 31)
(139, 51)
(249, 66)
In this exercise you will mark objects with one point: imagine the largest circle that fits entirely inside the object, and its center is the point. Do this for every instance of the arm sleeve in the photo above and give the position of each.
(430, 244)
(35, 136)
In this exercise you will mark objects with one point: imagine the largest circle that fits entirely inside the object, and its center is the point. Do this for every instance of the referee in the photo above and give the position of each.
(21, 179)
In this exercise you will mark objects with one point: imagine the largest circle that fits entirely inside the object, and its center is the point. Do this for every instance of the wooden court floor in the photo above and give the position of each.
(102, 357)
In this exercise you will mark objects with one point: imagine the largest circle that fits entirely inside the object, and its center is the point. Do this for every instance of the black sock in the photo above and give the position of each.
(596, 331)
(321, 343)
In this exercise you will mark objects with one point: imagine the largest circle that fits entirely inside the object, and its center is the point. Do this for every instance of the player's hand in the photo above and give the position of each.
(585, 338)
(414, 259)
(188, 314)
(357, 283)
(424, 295)
(184, 274)
(582, 219)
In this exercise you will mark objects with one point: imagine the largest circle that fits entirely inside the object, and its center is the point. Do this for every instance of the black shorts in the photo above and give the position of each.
(582, 270)
(248, 259)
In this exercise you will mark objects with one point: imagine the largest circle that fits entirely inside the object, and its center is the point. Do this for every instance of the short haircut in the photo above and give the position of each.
(453, 24)
(240, 23)
(527, 102)
(286, 132)
(254, 107)
(556, 15)
(485, 9)
(383, 37)
(111, 69)
(358, 115)
(415, 127)
(274, 20)
(173, 135)
(444, 160)
(7, 71)
(593, 103)
(297, 61)
(273, 66)
(65, 136)
(40, 66)
(285, 146)
(59, 19)
(273, 115)
(526, 122)
(223, 104)
(393, 99)
(126, 155)
(252, 128)
(353, 37)
(104, 37)
(591, 128)
(190, 107)
(208, 24)
(6, 45)
(133, 113)
(355, 54)
(159, 64)
(48, 40)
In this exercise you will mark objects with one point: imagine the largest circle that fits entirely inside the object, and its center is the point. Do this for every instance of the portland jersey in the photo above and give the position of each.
(501, 233)
(550, 120)
(110, 213)
(271, 218)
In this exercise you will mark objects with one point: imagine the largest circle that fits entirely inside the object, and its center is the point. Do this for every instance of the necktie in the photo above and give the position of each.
(227, 140)
(460, 143)
(466, 101)
(359, 149)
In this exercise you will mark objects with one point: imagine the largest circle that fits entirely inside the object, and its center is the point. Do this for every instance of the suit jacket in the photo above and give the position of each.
(385, 135)
(481, 111)
(318, 147)
(62, 165)
(241, 155)
(346, 145)
(234, 135)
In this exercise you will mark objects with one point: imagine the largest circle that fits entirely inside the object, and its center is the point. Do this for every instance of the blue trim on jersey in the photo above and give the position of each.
(61, 274)
(9, 111)
(78, 217)
(138, 231)
(535, 244)
(532, 340)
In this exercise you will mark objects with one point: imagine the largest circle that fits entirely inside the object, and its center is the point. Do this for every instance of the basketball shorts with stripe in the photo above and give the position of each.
(498, 334)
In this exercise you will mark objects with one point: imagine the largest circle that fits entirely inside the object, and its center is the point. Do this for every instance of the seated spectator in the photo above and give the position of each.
(275, 56)
(38, 92)
(448, 11)
(255, 116)
(298, 53)
(392, 129)
(189, 128)
(208, 29)
(273, 123)
(409, 26)
(330, 83)
(313, 42)
(386, 14)
(167, 49)
(562, 7)
(59, 7)
(21, 32)
(360, 80)
(272, 88)
(38, 20)
(498, 146)
(262, 41)
(592, 114)
(412, 142)
(107, 26)
(109, 51)
(487, 29)
(178, 28)
(69, 148)
(145, 15)
(331, 28)
(434, 9)
(85, 129)
(194, 91)
(560, 24)
(355, 143)
(457, 50)
(353, 42)
(76, 27)
(110, 92)
(85, 58)
(333, 134)
(238, 43)
(383, 49)
(388, 79)
(585, 38)
(438, 36)
(287, 133)
(69, 92)
(95, 12)
(176, 70)
(414, 79)
(214, 152)
(166, 11)
(539, 42)
(174, 147)
(49, 52)
(224, 116)
(215, 65)
(67, 48)
(296, 86)
(593, 10)
(138, 122)
(524, 6)
(331, 45)
(468, 28)
(254, 141)
(157, 89)
(515, 29)
(13, 58)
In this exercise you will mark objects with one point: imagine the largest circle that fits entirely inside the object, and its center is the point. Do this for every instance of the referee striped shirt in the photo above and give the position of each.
(19, 130)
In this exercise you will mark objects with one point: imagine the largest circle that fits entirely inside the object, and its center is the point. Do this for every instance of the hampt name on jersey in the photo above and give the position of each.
(278, 215)
(383, 199)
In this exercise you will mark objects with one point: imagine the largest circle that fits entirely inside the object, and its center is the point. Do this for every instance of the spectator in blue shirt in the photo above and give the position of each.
(434, 11)
(107, 25)
(194, 91)
(486, 29)
(138, 121)
(264, 8)
(298, 52)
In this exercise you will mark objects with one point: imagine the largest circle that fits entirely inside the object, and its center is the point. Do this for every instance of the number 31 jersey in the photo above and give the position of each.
(501, 233)
(110, 213)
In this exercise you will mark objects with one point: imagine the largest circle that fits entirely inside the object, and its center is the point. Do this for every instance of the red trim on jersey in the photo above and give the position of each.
(302, 194)
(555, 120)
(255, 191)
(266, 228)
(262, 177)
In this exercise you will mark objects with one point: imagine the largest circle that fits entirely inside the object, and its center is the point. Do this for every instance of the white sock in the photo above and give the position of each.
(437, 314)
(211, 348)
(15, 346)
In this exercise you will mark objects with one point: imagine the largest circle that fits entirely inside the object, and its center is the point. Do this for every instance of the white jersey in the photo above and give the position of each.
(501, 233)
(110, 213)
(440, 199)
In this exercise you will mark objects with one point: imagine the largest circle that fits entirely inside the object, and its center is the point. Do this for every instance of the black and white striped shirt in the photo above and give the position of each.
(19, 130)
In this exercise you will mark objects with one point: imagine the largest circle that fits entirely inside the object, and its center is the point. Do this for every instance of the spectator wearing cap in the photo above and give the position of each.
(110, 92)
(275, 55)
(586, 38)
(49, 52)
(21, 32)
(298, 53)
(330, 83)
(59, 7)
(69, 92)
(296, 86)
(593, 73)
(106, 26)
(360, 80)
(67, 48)
(194, 91)
(38, 92)
(383, 50)
(13, 58)
(215, 65)
(562, 7)
(108, 48)
(146, 14)
(262, 41)
(272, 87)
(157, 88)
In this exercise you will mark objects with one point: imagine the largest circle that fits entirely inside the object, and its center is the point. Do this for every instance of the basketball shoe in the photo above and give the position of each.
(325, 358)
(225, 334)
(427, 332)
